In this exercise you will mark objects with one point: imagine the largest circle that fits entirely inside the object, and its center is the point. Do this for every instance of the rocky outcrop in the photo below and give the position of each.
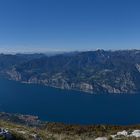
(138, 67)
(14, 75)
(5, 134)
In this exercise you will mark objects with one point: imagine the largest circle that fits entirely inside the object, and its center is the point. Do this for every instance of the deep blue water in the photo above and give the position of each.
(57, 105)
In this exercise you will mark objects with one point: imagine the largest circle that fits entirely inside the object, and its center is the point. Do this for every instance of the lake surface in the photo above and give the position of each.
(57, 105)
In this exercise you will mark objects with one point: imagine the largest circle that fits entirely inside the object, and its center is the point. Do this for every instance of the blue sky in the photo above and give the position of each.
(68, 25)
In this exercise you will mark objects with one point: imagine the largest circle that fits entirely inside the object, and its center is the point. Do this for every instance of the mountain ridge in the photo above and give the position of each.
(92, 71)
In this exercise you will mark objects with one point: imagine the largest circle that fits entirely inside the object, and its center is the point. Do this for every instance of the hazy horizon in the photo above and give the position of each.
(61, 52)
